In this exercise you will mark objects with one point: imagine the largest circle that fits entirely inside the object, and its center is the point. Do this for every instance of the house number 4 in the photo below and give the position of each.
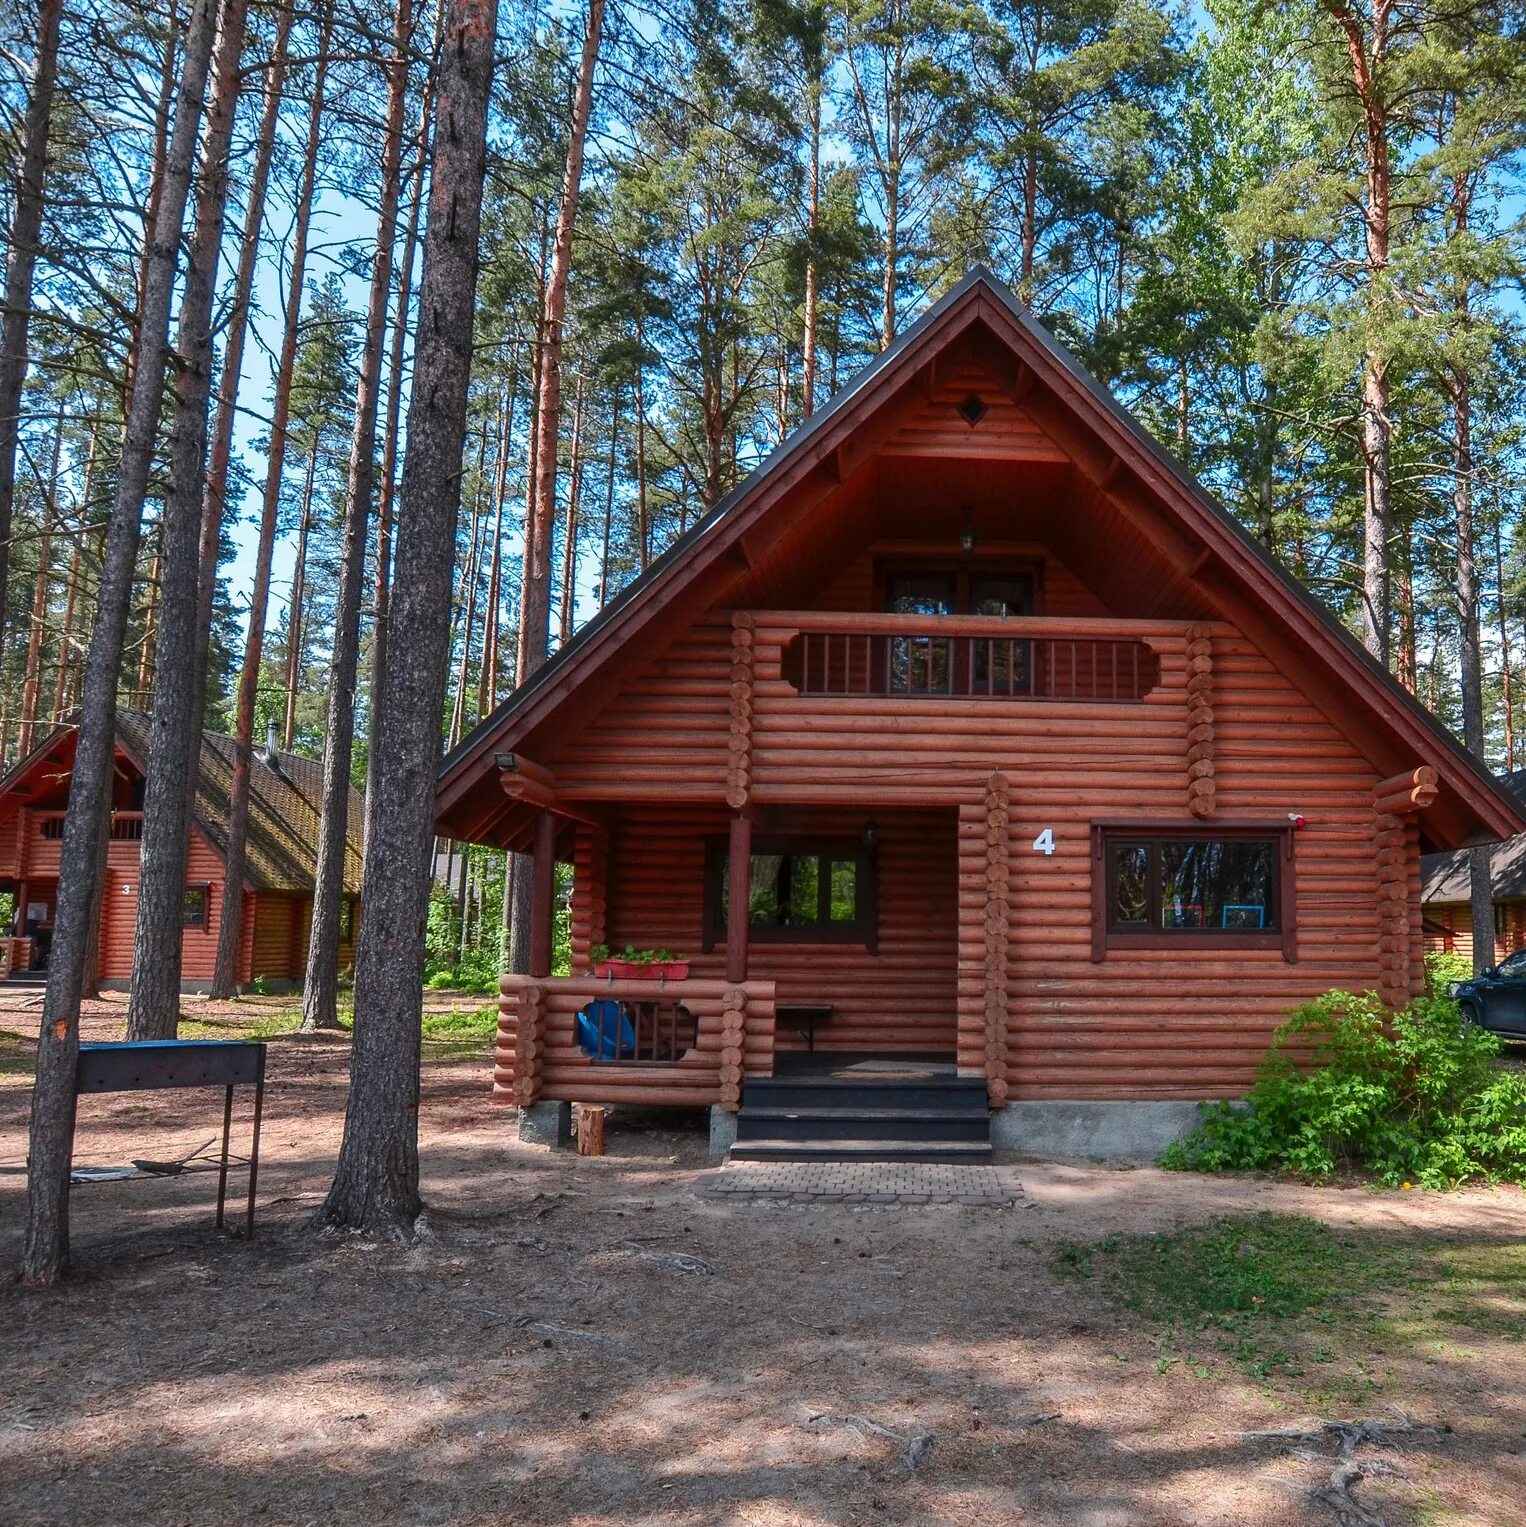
(1044, 843)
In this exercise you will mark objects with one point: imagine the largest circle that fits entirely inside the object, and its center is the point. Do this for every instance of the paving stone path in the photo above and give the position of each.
(867, 1182)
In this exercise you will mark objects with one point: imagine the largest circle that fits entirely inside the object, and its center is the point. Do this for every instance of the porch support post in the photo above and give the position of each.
(738, 892)
(543, 889)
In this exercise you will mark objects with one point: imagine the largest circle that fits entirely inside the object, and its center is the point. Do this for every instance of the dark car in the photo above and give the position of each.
(1496, 998)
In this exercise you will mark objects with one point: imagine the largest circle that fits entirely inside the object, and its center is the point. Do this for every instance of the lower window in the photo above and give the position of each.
(193, 906)
(1226, 888)
(799, 891)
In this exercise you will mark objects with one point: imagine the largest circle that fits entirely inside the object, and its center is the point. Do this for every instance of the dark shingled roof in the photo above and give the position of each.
(1444, 877)
(285, 802)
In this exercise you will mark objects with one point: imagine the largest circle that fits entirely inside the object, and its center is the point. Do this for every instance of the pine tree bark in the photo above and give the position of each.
(296, 610)
(382, 589)
(31, 681)
(320, 994)
(24, 234)
(609, 498)
(568, 610)
(221, 452)
(487, 683)
(536, 597)
(540, 510)
(376, 1184)
(1368, 57)
(45, 1254)
(225, 974)
(812, 258)
(153, 1006)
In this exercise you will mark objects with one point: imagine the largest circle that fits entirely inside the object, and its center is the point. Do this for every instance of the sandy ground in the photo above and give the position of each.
(535, 1359)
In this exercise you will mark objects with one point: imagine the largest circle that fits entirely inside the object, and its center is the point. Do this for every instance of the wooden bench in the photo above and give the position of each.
(802, 1018)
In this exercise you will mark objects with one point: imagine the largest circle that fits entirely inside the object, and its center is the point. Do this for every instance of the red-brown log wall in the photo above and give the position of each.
(901, 998)
(1172, 1023)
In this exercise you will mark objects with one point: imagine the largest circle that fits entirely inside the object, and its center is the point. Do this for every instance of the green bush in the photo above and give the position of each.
(1414, 1097)
(1442, 969)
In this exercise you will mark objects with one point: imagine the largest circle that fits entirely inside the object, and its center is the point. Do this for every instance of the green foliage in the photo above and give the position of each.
(1412, 1097)
(480, 1023)
(633, 956)
(1244, 1279)
(1442, 968)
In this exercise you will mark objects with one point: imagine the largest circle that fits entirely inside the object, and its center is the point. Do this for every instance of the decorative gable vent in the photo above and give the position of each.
(973, 409)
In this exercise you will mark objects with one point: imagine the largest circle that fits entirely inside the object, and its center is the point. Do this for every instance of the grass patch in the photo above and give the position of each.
(285, 1020)
(1270, 1289)
(1287, 1299)
(18, 1056)
(477, 1026)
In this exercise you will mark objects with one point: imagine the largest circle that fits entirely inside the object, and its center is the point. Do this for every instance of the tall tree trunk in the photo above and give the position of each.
(376, 1184)
(1471, 664)
(45, 1256)
(468, 595)
(1368, 57)
(225, 975)
(643, 516)
(536, 597)
(609, 498)
(382, 590)
(812, 258)
(24, 233)
(140, 690)
(153, 1006)
(221, 450)
(296, 612)
(487, 685)
(320, 995)
(31, 679)
(540, 508)
(568, 611)
(1504, 627)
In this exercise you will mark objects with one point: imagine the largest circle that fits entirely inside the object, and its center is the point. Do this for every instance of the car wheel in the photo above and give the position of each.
(1471, 1015)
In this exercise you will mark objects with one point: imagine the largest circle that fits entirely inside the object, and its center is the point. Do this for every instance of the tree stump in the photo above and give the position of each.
(590, 1129)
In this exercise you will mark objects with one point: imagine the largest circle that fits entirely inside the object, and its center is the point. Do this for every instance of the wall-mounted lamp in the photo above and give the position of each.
(967, 535)
(871, 834)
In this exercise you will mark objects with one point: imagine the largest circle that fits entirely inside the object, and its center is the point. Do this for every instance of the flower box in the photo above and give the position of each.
(642, 970)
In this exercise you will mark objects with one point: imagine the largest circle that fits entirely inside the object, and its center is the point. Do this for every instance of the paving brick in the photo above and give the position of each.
(875, 1182)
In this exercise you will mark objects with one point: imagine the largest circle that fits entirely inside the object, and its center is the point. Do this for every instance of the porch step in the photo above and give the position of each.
(964, 1093)
(930, 1119)
(974, 1152)
(757, 1122)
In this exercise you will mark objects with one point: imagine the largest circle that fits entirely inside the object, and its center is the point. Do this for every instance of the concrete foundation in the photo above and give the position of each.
(546, 1124)
(1108, 1130)
(723, 1130)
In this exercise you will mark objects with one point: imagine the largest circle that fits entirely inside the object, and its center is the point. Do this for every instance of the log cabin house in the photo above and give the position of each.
(285, 804)
(968, 745)
(1446, 892)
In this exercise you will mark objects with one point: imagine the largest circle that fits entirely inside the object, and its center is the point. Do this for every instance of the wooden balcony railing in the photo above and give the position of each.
(126, 826)
(952, 657)
(691, 1043)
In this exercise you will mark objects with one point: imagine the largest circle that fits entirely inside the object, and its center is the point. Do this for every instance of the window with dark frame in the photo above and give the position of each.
(1172, 887)
(193, 906)
(926, 665)
(801, 891)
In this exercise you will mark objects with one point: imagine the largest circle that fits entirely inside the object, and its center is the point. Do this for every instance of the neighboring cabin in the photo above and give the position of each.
(1446, 892)
(285, 804)
(969, 727)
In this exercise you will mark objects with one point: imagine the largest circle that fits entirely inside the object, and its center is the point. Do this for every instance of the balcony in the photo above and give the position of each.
(965, 658)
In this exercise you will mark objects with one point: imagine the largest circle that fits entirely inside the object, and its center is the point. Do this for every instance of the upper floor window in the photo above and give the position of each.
(193, 906)
(1164, 889)
(958, 590)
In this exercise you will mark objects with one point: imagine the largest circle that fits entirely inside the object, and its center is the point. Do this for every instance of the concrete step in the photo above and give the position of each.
(976, 1152)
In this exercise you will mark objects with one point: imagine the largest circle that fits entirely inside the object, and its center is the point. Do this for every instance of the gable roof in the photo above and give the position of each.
(1208, 547)
(285, 803)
